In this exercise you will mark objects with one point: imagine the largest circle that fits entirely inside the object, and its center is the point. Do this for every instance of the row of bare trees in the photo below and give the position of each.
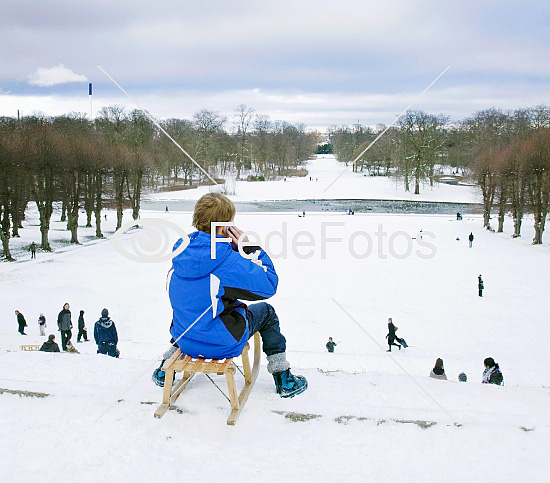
(516, 178)
(85, 165)
(505, 152)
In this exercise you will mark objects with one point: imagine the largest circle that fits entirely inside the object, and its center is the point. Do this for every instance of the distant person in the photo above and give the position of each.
(105, 335)
(64, 324)
(82, 332)
(33, 250)
(105, 215)
(471, 239)
(458, 216)
(42, 324)
(304, 213)
(391, 335)
(462, 377)
(492, 374)
(166, 209)
(438, 372)
(480, 285)
(50, 345)
(71, 348)
(21, 321)
(330, 345)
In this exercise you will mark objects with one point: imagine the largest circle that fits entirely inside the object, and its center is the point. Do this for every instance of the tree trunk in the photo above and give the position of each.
(119, 179)
(539, 230)
(6, 245)
(5, 233)
(502, 207)
(97, 205)
(518, 215)
(64, 211)
(45, 213)
(88, 198)
(501, 215)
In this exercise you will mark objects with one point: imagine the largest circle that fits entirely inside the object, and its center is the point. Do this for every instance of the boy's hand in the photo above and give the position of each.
(235, 234)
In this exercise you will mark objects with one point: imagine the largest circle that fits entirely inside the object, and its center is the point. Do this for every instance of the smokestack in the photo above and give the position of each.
(90, 96)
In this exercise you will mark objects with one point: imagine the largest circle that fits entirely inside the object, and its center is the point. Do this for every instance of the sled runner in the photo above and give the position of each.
(180, 362)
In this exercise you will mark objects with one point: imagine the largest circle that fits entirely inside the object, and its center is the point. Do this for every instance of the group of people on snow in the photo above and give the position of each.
(491, 374)
(105, 333)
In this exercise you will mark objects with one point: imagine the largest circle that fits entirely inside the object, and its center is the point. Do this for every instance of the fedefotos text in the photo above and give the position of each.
(280, 244)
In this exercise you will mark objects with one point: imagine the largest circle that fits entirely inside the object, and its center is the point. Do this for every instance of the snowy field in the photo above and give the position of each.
(356, 396)
(367, 415)
(323, 170)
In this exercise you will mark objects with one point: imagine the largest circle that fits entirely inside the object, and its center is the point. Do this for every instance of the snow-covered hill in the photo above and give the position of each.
(367, 415)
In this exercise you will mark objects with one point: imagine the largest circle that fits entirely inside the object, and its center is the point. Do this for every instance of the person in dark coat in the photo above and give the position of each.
(330, 345)
(438, 372)
(480, 285)
(42, 324)
(65, 325)
(391, 335)
(492, 374)
(21, 321)
(82, 332)
(471, 239)
(33, 250)
(50, 345)
(105, 335)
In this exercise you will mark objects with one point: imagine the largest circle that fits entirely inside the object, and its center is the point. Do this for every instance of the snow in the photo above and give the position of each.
(324, 169)
(367, 415)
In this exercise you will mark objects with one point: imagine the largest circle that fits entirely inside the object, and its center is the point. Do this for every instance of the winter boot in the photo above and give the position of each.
(158, 376)
(288, 385)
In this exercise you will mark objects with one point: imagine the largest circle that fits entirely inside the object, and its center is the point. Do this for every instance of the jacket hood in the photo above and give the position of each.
(105, 322)
(195, 261)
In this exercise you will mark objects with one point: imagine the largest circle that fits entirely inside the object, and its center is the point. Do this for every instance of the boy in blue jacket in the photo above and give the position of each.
(206, 285)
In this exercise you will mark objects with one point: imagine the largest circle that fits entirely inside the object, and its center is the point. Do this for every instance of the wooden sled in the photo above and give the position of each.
(180, 362)
(30, 347)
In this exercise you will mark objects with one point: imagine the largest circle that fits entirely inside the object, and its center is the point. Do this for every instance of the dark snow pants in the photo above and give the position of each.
(108, 348)
(65, 336)
(82, 333)
(263, 319)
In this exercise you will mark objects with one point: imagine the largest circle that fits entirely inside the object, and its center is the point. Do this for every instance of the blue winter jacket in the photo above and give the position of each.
(105, 331)
(207, 290)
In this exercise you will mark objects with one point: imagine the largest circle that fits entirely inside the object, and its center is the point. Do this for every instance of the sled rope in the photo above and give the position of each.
(218, 387)
(396, 362)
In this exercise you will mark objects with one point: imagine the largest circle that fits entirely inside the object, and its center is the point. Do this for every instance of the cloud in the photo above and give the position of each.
(59, 74)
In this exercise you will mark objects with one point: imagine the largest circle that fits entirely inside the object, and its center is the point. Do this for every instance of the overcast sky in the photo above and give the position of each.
(318, 62)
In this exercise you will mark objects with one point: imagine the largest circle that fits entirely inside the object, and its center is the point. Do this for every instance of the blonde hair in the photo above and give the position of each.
(212, 207)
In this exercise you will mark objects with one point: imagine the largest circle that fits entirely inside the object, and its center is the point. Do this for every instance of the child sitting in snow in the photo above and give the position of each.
(438, 372)
(205, 291)
(492, 374)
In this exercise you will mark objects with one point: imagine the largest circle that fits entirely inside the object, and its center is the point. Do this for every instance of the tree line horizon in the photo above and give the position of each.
(109, 161)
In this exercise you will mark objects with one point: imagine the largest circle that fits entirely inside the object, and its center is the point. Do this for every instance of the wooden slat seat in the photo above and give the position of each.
(190, 366)
(30, 347)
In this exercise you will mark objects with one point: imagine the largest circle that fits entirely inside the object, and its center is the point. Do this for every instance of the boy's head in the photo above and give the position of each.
(212, 207)
(51, 337)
